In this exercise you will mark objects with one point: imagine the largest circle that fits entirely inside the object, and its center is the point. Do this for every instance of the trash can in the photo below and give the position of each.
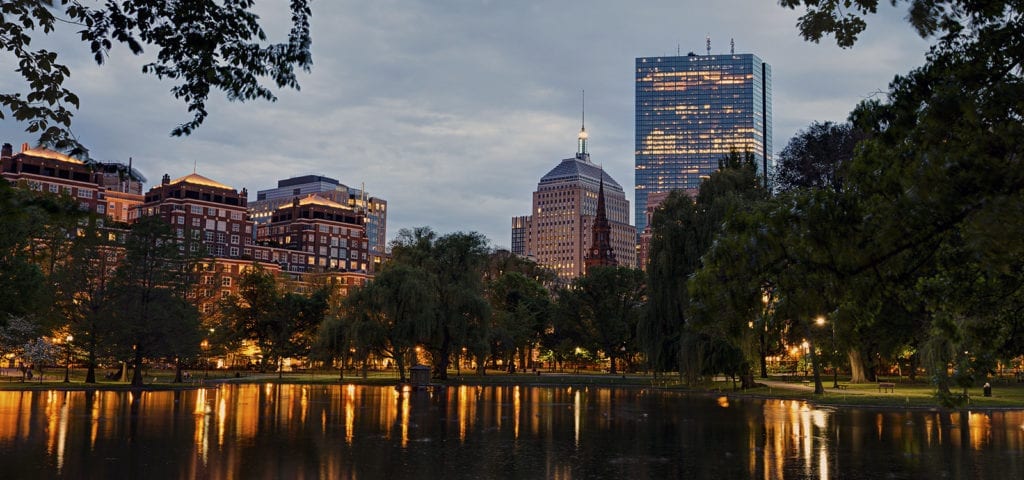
(420, 376)
(987, 389)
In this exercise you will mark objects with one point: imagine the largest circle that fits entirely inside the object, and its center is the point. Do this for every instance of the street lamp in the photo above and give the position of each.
(67, 364)
(205, 345)
(835, 368)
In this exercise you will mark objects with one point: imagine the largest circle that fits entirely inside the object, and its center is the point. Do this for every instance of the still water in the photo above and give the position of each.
(357, 432)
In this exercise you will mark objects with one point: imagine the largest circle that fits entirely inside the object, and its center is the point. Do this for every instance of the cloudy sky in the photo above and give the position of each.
(453, 110)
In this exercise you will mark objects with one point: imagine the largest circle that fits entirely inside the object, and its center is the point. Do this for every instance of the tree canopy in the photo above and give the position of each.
(201, 45)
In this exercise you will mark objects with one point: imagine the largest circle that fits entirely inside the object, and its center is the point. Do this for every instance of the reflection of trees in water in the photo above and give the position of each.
(253, 431)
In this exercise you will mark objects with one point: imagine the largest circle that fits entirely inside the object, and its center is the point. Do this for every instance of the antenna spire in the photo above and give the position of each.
(707, 43)
(581, 139)
(732, 46)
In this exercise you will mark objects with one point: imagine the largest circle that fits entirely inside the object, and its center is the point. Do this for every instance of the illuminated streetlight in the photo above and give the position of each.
(67, 364)
(835, 353)
(205, 345)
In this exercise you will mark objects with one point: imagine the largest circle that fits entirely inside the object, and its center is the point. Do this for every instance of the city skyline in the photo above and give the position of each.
(451, 113)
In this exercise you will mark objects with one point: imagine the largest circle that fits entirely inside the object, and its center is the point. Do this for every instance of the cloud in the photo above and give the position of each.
(452, 111)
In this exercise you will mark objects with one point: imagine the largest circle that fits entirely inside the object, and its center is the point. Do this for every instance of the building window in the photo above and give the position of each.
(234, 251)
(234, 239)
(53, 188)
(197, 210)
(100, 209)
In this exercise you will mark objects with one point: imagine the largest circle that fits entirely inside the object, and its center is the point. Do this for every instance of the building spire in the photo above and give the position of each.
(600, 254)
(581, 139)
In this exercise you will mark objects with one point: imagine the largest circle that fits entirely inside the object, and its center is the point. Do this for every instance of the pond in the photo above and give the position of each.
(368, 432)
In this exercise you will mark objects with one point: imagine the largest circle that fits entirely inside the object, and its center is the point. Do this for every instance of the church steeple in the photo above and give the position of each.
(600, 253)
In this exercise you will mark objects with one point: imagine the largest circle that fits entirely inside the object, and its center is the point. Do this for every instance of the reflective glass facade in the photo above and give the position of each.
(692, 110)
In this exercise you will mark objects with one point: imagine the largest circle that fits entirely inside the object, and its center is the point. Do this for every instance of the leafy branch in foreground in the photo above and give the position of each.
(203, 45)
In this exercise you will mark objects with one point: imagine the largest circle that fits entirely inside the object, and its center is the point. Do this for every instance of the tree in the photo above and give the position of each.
(938, 183)
(85, 288)
(14, 336)
(676, 248)
(36, 234)
(293, 324)
(248, 313)
(522, 312)
(456, 264)
(282, 324)
(203, 45)
(814, 158)
(683, 230)
(148, 307)
(392, 314)
(610, 302)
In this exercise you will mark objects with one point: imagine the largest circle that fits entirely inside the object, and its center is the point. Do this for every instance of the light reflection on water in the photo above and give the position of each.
(310, 431)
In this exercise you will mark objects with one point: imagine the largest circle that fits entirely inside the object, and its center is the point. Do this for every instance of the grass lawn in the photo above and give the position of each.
(1005, 394)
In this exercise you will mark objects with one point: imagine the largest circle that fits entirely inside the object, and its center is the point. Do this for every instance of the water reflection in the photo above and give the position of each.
(295, 431)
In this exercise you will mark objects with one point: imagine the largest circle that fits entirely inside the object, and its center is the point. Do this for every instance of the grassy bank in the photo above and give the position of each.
(1005, 394)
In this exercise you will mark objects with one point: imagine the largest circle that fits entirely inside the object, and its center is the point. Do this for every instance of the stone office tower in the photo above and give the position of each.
(559, 232)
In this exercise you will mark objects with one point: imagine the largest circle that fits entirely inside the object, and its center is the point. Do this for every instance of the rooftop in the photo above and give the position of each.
(47, 153)
(197, 179)
(578, 168)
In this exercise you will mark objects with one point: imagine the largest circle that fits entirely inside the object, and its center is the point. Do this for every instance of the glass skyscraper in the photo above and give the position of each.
(690, 112)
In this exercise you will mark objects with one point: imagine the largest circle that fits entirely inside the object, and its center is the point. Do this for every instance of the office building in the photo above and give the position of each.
(690, 112)
(372, 209)
(559, 232)
(45, 170)
(332, 235)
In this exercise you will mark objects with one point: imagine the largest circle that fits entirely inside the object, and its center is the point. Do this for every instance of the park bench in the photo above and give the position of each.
(886, 387)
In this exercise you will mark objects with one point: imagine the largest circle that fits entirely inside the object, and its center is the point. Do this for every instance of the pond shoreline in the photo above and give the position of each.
(910, 397)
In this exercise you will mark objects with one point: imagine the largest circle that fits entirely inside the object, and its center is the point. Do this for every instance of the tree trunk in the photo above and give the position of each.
(858, 374)
(137, 380)
(90, 372)
(816, 366)
(442, 360)
(341, 369)
(763, 354)
(611, 369)
(177, 370)
(400, 363)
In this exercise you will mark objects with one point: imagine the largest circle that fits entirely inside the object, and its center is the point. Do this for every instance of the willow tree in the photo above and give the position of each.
(682, 232)
(392, 314)
(455, 264)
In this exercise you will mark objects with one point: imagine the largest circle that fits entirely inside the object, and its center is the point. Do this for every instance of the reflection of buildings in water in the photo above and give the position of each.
(786, 438)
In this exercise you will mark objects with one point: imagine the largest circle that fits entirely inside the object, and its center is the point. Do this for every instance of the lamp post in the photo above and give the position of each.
(205, 345)
(67, 363)
(835, 368)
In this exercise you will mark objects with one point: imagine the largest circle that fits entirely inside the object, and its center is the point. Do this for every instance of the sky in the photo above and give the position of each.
(452, 111)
